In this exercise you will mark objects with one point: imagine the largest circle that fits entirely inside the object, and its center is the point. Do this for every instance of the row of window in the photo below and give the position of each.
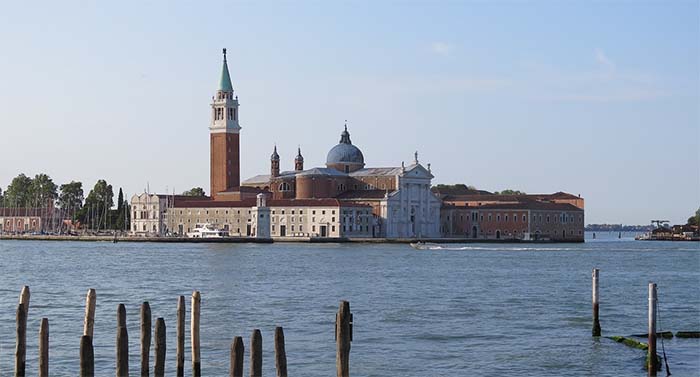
(143, 215)
(562, 218)
(301, 212)
(301, 219)
(301, 228)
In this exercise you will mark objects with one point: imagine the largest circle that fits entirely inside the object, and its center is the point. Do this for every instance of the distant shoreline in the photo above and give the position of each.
(271, 240)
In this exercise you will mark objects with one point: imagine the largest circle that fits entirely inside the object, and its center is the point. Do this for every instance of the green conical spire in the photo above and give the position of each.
(225, 83)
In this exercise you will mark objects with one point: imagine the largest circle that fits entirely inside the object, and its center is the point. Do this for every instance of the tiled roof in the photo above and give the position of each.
(362, 194)
(532, 205)
(262, 178)
(214, 203)
(25, 212)
(372, 172)
(321, 171)
(508, 198)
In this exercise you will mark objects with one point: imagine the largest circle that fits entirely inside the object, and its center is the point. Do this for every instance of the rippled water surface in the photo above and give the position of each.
(487, 310)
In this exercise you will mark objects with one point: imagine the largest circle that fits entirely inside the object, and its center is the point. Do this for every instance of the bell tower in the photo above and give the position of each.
(299, 161)
(274, 163)
(224, 137)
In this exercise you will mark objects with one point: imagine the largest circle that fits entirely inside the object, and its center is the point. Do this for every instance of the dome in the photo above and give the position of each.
(345, 152)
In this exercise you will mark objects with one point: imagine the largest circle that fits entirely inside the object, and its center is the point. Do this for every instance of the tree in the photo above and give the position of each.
(71, 197)
(18, 192)
(95, 212)
(195, 191)
(694, 220)
(43, 191)
(122, 205)
(2, 198)
(510, 192)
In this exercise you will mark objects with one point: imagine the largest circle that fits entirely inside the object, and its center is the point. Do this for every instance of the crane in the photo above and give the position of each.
(659, 223)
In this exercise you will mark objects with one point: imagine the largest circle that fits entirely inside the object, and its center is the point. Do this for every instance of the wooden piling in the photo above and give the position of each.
(122, 343)
(343, 337)
(87, 357)
(180, 329)
(89, 321)
(256, 354)
(159, 368)
(44, 348)
(24, 299)
(21, 346)
(237, 351)
(145, 337)
(194, 334)
(280, 354)
(121, 315)
(652, 361)
(596, 321)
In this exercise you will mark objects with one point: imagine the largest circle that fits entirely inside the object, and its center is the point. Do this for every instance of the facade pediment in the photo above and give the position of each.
(417, 171)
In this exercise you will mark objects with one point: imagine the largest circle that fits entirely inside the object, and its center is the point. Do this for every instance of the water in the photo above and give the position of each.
(488, 310)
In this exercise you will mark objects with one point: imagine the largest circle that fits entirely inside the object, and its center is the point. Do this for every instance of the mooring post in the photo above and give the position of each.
(89, 322)
(21, 346)
(24, 299)
(87, 357)
(280, 354)
(596, 321)
(122, 343)
(343, 337)
(653, 362)
(145, 337)
(237, 351)
(180, 329)
(256, 354)
(44, 348)
(159, 368)
(194, 334)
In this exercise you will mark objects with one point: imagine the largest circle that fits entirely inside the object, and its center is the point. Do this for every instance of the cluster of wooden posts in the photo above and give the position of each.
(343, 334)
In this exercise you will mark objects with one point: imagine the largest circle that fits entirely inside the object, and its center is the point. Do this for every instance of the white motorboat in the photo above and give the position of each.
(206, 231)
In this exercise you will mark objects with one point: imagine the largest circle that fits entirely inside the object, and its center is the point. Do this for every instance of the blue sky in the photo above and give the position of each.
(594, 98)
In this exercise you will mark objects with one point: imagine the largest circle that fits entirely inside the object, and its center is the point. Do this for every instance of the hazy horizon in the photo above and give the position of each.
(597, 99)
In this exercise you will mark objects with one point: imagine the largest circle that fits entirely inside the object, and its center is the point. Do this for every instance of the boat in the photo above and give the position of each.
(206, 230)
(425, 246)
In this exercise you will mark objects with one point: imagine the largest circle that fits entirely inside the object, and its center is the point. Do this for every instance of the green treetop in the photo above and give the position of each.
(195, 191)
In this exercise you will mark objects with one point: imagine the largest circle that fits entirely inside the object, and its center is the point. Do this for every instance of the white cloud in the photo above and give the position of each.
(442, 48)
(603, 60)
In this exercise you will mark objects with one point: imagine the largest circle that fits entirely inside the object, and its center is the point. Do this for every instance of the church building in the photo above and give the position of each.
(343, 199)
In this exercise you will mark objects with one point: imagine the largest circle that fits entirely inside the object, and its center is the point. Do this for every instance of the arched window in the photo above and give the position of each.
(284, 186)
